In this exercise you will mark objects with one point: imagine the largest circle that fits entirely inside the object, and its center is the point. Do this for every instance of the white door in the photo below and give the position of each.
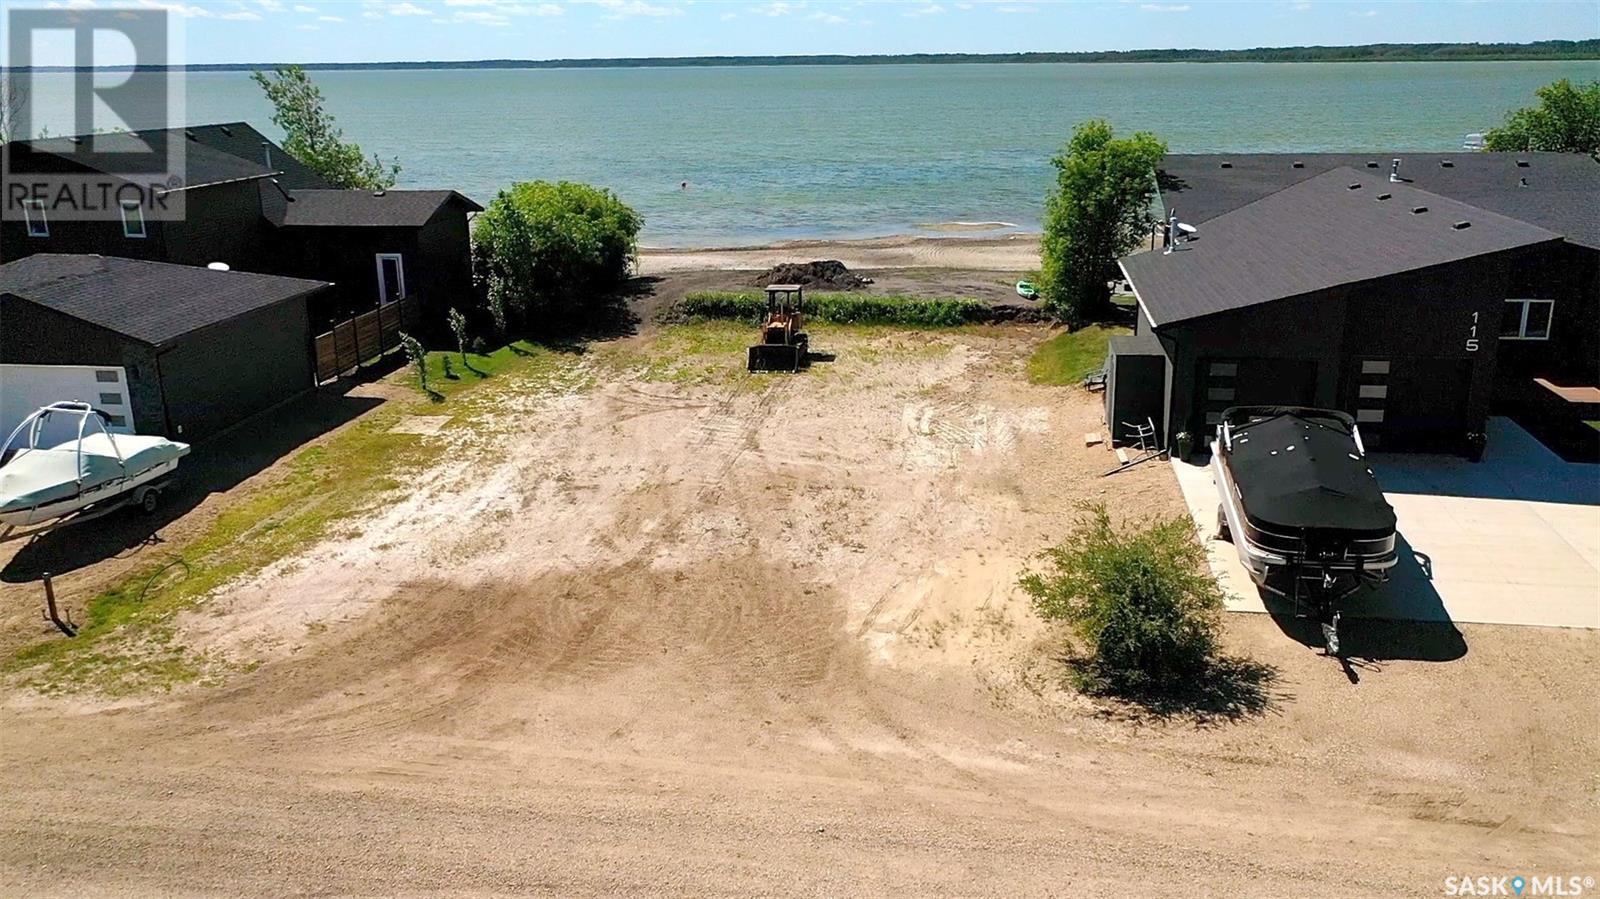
(24, 388)
(391, 278)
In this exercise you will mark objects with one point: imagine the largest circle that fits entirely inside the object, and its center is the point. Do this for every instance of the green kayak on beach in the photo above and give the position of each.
(1027, 291)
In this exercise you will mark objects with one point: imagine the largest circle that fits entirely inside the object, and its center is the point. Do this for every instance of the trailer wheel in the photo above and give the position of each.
(149, 500)
(1222, 526)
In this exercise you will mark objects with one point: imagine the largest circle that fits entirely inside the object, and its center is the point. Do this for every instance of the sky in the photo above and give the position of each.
(260, 31)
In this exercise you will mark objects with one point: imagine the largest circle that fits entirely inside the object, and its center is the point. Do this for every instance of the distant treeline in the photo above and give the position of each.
(1553, 50)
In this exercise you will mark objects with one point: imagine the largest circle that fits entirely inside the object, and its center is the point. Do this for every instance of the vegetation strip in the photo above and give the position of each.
(851, 309)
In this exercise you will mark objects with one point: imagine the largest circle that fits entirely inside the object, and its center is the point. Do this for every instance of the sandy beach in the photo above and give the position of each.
(1008, 253)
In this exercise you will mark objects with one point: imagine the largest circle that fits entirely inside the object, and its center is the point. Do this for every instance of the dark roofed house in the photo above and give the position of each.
(1317, 279)
(249, 204)
(198, 350)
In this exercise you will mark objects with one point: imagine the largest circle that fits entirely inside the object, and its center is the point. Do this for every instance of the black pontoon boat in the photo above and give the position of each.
(1302, 506)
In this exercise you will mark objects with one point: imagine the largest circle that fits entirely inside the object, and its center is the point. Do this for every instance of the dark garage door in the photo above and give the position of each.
(1254, 382)
(1412, 404)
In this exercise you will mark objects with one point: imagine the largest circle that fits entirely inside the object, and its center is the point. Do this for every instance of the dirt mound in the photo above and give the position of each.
(827, 274)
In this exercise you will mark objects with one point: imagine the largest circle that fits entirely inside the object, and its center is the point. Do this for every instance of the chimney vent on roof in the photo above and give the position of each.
(1297, 164)
(1522, 163)
(1461, 226)
(1355, 185)
(266, 152)
(1418, 210)
(1446, 164)
(226, 130)
(190, 135)
(1372, 163)
(378, 193)
(1227, 165)
(1394, 170)
(1384, 196)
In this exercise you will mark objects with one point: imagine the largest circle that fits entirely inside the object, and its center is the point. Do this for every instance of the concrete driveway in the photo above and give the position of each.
(1514, 539)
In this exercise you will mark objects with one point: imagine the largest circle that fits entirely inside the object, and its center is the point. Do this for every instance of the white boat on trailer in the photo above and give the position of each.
(93, 473)
(1302, 506)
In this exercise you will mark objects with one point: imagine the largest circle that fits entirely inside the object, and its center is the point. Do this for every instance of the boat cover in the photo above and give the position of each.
(38, 476)
(1301, 471)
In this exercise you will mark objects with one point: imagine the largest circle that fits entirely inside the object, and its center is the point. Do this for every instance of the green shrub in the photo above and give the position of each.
(1099, 209)
(838, 308)
(1141, 601)
(548, 249)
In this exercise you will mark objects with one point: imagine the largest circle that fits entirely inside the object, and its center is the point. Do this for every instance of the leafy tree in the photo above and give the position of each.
(1141, 601)
(1099, 210)
(546, 248)
(312, 137)
(1567, 120)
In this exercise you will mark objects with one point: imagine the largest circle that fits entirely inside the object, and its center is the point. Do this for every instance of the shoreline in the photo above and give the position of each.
(1018, 252)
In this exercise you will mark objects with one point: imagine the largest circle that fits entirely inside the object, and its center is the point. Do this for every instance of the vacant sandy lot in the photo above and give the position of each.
(662, 627)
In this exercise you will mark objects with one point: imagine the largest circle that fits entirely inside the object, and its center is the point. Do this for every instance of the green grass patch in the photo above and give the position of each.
(838, 308)
(127, 644)
(1067, 357)
(1593, 424)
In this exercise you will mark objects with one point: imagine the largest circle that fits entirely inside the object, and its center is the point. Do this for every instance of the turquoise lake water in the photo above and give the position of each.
(839, 151)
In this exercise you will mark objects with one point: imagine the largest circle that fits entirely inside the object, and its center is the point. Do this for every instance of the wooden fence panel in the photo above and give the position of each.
(356, 341)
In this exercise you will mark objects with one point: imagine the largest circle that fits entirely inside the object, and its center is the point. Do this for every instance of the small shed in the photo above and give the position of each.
(200, 349)
(1136, 386)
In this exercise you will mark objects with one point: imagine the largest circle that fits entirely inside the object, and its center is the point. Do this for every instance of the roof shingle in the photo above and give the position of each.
(1557, 191)
(151, 302)
(1339, 227)
(360, 208)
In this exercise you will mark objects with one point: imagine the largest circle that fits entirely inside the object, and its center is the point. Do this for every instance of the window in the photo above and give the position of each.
(132, 219)
(1526, 319)
(33, 211)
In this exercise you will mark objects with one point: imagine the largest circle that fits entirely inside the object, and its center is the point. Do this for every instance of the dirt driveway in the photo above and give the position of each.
(662, 627)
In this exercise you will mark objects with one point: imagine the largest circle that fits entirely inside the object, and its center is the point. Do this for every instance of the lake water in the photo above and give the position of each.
(862, 150)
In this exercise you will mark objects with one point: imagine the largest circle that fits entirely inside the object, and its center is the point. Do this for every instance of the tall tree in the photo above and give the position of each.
(1566, 120)
(1099, 210)
(312, 137)
(11, 101)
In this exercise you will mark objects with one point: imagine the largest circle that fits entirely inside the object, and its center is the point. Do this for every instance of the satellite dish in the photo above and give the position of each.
(218, 266)
(1187, 228)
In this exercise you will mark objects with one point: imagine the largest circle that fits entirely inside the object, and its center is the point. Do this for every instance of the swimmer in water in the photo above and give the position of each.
(683, 186)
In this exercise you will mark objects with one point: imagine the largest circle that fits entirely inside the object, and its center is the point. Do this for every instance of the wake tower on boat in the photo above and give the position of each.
(1302, 506)
(92, 473)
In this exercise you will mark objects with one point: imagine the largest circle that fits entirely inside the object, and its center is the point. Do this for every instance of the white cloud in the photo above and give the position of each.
(301, 7)
(330, 18)
(407, 9)
(306, 28)
(241, 16)
(827, 18)
(1366, 14)
(1164, 7)
(178, 9)
(778, 8)
(963, 6)
(931, 9)
(1015, 10)
(623, 9)
(270, 5)
(1302, 6)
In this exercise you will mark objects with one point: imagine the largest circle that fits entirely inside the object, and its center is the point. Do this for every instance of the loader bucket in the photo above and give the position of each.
(775, 357)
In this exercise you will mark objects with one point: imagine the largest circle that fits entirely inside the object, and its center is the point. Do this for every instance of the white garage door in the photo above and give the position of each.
(24, 388)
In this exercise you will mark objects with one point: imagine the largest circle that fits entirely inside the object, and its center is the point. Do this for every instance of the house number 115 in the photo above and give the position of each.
(1472, 335)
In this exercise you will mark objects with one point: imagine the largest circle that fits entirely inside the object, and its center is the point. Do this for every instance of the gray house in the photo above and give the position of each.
(190, 350)
(1344, 290)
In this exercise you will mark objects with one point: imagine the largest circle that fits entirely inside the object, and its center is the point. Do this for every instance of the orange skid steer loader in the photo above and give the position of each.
(783, 343)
